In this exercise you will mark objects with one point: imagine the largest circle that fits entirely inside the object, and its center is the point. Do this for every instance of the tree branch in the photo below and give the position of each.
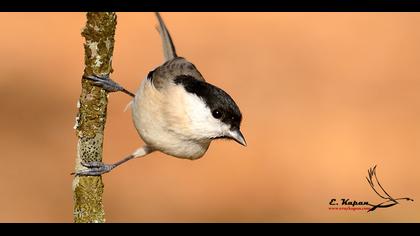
(90, 121)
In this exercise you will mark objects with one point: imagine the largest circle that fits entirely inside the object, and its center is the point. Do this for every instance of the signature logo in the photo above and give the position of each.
(387, 200)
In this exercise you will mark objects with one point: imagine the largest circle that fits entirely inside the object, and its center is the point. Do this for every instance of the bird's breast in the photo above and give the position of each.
(161, 121)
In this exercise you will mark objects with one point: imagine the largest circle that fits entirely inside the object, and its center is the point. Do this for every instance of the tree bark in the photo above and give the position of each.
(90, 121)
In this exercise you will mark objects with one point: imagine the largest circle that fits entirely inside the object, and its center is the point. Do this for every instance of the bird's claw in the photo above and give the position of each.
(94, 168)
(104, 82)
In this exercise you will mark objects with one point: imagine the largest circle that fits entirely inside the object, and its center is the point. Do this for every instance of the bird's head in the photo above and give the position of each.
(212, 112)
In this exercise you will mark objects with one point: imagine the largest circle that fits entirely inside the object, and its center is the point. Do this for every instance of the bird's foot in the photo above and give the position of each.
(104, 82)
(94, 169)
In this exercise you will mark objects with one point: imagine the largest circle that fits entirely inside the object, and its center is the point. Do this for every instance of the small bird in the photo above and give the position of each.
(175, 111)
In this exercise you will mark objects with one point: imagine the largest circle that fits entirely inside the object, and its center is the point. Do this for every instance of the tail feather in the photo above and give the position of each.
(168, 46)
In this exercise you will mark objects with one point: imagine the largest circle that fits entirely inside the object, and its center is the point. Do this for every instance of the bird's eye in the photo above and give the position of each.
(217, 113)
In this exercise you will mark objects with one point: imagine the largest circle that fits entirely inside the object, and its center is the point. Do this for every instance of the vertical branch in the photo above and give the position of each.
(90, 121)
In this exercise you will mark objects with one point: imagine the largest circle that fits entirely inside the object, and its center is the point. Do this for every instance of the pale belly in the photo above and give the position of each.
(162, 130)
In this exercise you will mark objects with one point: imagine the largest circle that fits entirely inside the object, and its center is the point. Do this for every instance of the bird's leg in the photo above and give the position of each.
(107, 83)
(98, 168)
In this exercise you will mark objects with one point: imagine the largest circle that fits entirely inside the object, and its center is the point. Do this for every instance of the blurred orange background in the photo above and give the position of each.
(324, 96)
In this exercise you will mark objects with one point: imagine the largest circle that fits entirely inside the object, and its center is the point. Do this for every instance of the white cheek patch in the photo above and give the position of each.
(202, 122)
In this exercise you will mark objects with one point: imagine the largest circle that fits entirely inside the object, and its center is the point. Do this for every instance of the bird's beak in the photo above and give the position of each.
(237, 136)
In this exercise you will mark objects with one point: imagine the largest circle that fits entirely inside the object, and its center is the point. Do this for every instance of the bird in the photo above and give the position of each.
(175, 111)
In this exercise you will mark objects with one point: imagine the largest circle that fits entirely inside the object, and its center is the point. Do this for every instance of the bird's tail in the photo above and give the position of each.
(168, 46)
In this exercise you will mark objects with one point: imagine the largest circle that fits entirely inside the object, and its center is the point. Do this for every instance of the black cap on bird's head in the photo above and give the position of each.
(221, 105)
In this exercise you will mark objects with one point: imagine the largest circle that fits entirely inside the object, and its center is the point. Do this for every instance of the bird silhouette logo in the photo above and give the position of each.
(388, 201)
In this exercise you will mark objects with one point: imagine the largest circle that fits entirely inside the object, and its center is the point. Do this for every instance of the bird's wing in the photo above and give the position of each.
(170, 70)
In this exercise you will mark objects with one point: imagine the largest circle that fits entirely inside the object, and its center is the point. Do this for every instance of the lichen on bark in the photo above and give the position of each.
(90, 121)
